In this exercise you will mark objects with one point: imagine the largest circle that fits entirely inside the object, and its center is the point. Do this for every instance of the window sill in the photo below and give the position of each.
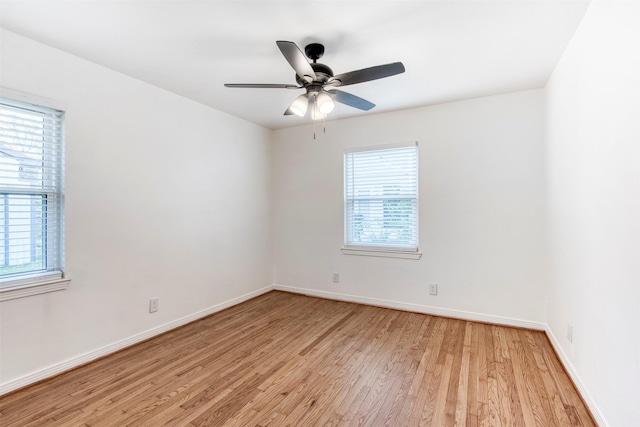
(26, 287)
(382, 253)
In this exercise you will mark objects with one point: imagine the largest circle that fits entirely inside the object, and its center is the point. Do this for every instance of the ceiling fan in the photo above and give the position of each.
(315, 78)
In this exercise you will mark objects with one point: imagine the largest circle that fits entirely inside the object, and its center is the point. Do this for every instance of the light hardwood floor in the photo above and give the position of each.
(289, 360)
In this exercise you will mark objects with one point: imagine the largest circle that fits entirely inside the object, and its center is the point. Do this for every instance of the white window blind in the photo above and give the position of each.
(31, 189)
(381, 197)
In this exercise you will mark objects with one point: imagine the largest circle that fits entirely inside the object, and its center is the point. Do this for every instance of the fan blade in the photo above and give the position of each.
(262, 86)
(366, 74)
(351, 100)
(297, 60)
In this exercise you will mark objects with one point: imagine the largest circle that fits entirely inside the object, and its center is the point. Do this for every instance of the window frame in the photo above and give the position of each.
(50, 279)
(380, 250)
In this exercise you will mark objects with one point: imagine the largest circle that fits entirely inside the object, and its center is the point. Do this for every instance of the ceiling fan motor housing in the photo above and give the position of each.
(314, 51)
(323, 74)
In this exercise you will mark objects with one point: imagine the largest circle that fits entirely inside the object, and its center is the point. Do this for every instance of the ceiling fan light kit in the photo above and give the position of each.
(314, 77)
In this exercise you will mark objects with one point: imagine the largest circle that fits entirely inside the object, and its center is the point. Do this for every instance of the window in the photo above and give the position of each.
(31, 194)
(381, 200)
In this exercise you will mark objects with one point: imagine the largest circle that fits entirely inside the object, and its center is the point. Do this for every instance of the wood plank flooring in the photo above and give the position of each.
(290, 360)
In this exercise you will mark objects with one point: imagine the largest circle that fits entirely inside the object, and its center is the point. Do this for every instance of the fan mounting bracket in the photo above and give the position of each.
(314, 51)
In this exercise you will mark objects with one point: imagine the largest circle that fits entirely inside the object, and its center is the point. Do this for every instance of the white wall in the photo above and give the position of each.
(164, 198)
(168, 198)
(593, 145)
(481, 209)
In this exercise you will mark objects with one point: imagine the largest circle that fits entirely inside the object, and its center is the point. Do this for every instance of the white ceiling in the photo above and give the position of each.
(451, 50)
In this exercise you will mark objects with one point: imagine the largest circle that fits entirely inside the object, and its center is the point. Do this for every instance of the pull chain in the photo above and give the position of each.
(314, 113)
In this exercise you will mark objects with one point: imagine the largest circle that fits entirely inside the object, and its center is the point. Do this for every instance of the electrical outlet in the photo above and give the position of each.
(336, 277)
(153, 305)
(570, 333)
(433, 289)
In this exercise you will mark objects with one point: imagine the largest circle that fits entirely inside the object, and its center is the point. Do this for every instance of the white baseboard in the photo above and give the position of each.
(437, 311)
(418, 308)
(577, 381)
(465, 315)
(82, 359)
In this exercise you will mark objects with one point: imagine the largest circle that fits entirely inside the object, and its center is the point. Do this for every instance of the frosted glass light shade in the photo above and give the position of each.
(316, 114)
(300, 105)
(325, 103)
